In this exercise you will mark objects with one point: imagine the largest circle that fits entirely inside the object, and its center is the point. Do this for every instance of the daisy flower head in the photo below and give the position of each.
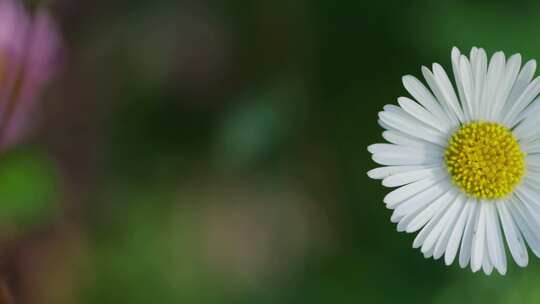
(29, 45)
(464, 159)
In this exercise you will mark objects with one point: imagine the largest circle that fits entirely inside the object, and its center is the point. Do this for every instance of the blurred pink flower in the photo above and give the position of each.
(29, 45)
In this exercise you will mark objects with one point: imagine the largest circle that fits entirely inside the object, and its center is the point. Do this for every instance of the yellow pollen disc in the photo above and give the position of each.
(485, 160)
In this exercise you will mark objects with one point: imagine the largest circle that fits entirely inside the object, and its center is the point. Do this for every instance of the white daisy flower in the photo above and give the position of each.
(466, 165)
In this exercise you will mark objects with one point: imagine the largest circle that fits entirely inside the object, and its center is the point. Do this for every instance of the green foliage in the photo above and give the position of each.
(29, 190)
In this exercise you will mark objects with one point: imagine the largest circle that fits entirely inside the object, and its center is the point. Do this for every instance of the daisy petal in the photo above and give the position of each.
(494, 76)
(421, 114)
(391, 148)
(399, 138)
(443, 89)
(430, 211)
(494, 240)
(419, 201)
(467, 241)
(523, 80)
(506, 84)
(524, 224)
(457, 232)
(460, 82)
(487, 265)
(404, 178)
(407, 211)
(421, 94)
(532, 160)
(404, 123)
(477, 254)
(394, 155)
(400, 194)
(479, 67)
(453, 216)
(384, 172)
(532, 90)
(429, 229)
(530, 148)
(515, 241)
(466, 76)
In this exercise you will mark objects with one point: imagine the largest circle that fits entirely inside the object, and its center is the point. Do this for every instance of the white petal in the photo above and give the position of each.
(503, 263)
(532, 176)
(487, 265)
(479, 66)
(494, 75)
(478, 242)
(460, 81)
(532, 160)
(391, 148)
(430, 211)
(523, 80)
(527, 131)
(467, 84)
(457, 232)
(383, 124)
(526, 194)
(505, 86)
(399, 195)
(530, 114)
(407, 211)
(399, 138)
(404, 178)
(393, 155)
(530, 214)
(447, 91)
(404, 123)
(521, 103)
(494, 239)
(523, 223)
(530, 148)
(395, 218)
(433, 85)
(515, 241)
(473, 53)
(467, 241)
(420, 200)
(453, 215)
(421, 94)
(430, 226)
(390, 154)
(384, 172)
(418, 112)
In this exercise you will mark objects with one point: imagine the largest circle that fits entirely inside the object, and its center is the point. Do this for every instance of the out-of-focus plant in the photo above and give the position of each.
(29, 56)
(28, 191)
(29, 48)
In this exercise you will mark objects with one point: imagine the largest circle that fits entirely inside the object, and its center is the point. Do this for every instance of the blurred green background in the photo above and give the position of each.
(215, 152)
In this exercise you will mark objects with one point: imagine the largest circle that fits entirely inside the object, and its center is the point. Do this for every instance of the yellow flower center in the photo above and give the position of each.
(485, 160)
